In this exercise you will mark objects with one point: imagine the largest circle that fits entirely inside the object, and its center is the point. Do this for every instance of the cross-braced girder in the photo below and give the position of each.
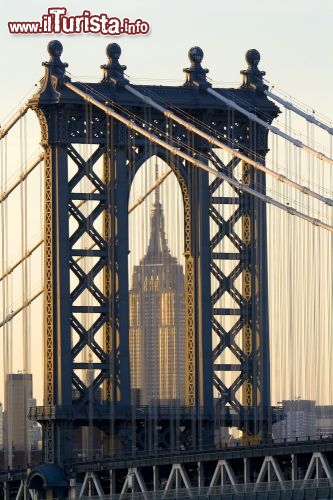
(90, 162)
(239, 316)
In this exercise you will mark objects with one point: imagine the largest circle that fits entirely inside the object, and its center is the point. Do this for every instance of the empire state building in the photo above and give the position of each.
(157, 319)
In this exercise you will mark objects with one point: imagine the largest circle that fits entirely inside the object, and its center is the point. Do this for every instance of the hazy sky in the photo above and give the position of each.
(294, 38)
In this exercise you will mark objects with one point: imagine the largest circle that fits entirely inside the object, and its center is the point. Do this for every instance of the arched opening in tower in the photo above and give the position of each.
(156, 287)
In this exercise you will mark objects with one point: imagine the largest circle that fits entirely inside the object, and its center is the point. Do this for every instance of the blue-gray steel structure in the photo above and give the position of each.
(67, 121)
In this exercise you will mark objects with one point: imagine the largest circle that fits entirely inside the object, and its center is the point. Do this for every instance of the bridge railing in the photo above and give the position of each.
(315, 488)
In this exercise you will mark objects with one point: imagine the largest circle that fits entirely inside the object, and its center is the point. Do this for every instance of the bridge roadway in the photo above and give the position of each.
(228, 452)
(300, 469)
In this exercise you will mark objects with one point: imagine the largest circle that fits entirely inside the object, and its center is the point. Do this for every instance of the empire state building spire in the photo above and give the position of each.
(157, 319)
(158, 251)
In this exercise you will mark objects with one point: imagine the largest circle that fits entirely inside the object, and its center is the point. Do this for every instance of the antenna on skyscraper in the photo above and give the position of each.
(157, 189)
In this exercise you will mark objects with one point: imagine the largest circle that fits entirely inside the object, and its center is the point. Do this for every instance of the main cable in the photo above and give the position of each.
(17, 116)
(272, 128)
(289, 105)
(259, 166)
(177, 152)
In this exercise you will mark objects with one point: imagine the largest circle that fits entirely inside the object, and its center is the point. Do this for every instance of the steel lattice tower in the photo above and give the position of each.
(212, 270)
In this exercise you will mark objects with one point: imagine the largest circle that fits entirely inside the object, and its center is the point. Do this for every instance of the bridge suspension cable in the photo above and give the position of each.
(30, 251)
(278, 168)
(23, 175)
(204, 126)
(212, 140)
(309, 118)
(216, 142)
(152, 188)
(21, 112)
(209, 138)
(272, 128)
(24, 305)
(177, 152)
(27, 254)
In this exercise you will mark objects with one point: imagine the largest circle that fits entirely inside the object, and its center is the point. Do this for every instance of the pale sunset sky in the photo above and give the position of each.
(294, 38)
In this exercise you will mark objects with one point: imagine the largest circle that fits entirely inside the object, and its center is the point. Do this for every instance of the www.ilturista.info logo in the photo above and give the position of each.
(56, 21)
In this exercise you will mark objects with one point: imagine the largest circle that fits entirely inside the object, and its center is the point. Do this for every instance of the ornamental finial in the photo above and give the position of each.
(113, 72)
(55, 73)
(55, 49)
(56, 67)
(196, 74)
(252, 76)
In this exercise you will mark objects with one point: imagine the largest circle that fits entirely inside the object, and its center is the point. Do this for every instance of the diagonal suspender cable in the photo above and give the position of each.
(22, 177)
(177, 152)
(259, 166)
(273, 129)
(219, 144)
(27, 254)
(142, 198)
(22, 111)
(10, 269)
(21, 308)
(309, 118)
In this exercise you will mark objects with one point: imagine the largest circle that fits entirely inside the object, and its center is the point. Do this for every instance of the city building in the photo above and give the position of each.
(18, 428)
(157, 319)
(299, 421)
(324, 415)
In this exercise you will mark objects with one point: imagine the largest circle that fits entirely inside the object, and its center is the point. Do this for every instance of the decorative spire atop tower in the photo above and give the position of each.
(55, 66)
(157, 250)
(55, 73)
(157, 189)
(252, 76)
(114, 71)
(196, 74)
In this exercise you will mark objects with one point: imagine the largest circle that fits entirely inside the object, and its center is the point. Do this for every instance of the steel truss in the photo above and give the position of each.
(283, 470)
(239, 269)
(283, 474)
(86, 301)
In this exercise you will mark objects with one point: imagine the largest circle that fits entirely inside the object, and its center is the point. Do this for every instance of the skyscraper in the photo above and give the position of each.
(157, 319)
(18, 400)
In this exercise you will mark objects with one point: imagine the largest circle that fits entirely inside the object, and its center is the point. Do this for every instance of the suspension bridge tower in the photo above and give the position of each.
(86, 246)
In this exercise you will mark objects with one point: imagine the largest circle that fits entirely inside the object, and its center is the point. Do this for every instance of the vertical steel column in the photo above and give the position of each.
(58, 362)
(57, 256)
(61, 293)
(239, 269)
(256, 387)
(198, 183)
(116, 337)
(257, 232)
(67, 393)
